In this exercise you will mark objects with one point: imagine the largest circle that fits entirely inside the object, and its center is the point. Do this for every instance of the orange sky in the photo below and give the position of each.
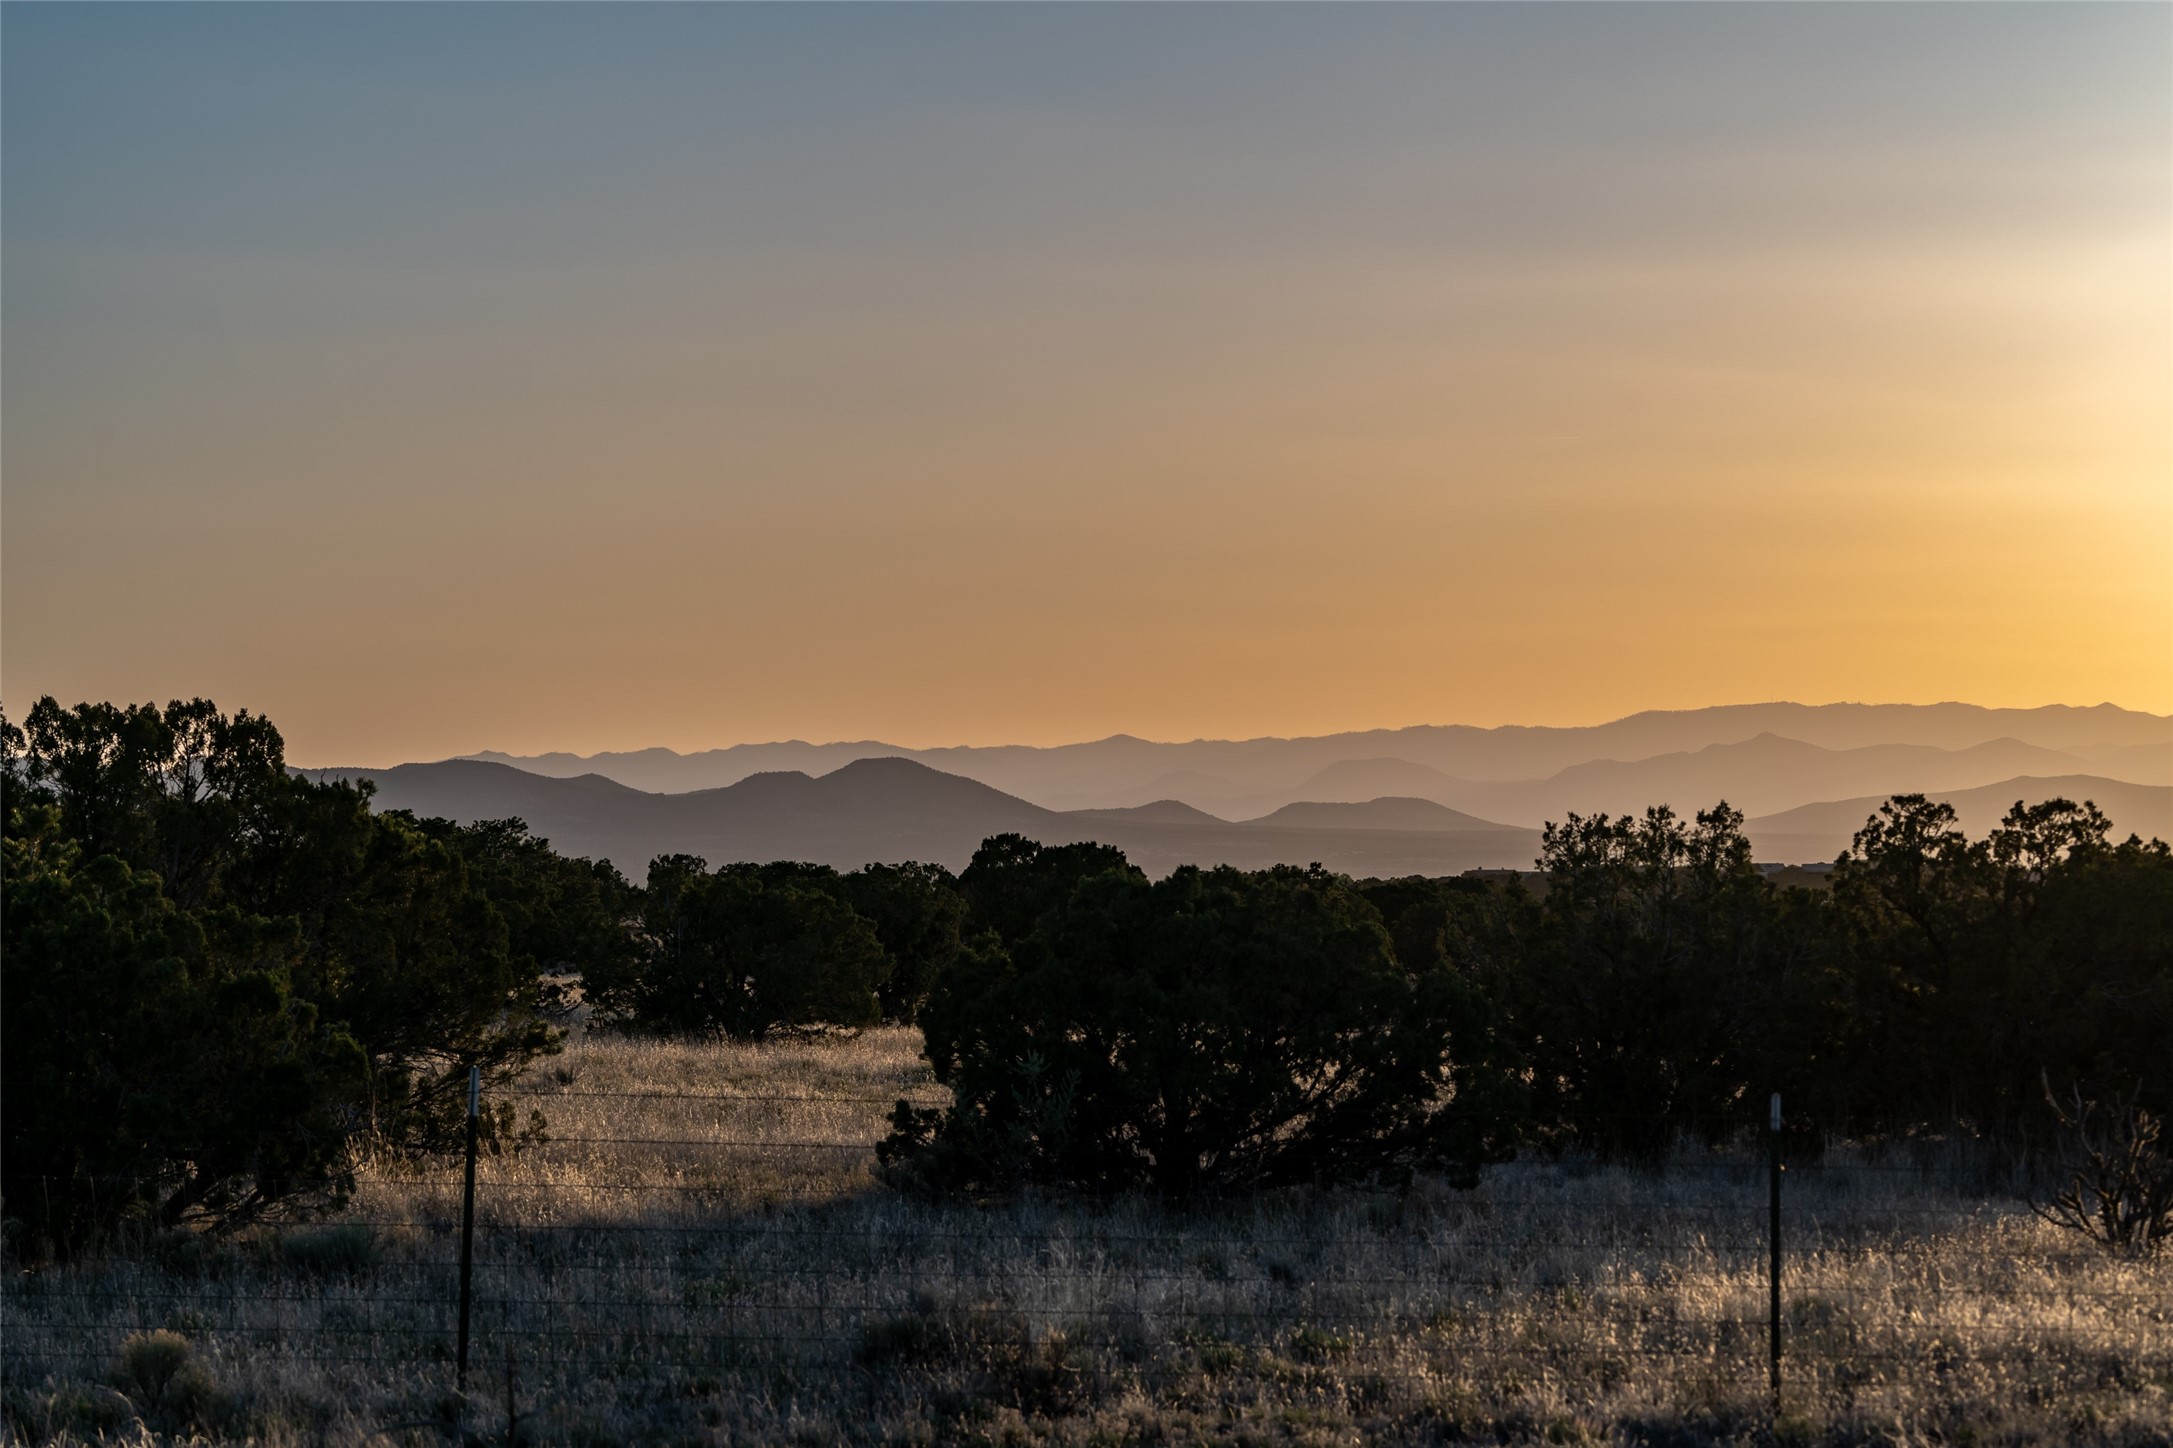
(971, 376)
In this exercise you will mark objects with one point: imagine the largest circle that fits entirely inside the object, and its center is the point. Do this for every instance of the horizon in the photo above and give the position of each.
(686, 750)
(480, 754)
(596, 379)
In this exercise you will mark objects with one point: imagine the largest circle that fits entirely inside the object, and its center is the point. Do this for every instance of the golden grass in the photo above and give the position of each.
(704, 1254)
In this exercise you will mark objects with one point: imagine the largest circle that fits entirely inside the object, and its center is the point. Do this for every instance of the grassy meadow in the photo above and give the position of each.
(703, 1253)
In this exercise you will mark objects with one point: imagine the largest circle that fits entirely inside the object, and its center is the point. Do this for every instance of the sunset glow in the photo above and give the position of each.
(596, 378)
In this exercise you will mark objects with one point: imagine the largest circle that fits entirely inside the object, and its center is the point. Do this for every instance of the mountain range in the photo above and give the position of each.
(897, 809)
(1761, 757)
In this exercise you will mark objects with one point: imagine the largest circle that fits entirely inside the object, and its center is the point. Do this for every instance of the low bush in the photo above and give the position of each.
(172, 1391)
(743, 951)
(1213, 1031)
(2115, 1173)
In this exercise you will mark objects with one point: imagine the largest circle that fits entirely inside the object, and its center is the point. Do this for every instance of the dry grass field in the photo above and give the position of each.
(703, 1254)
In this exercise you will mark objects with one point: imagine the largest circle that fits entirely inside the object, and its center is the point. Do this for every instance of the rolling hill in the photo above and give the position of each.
(1374, 814)
(1762, 775)
(896, 809)
(1822, 831)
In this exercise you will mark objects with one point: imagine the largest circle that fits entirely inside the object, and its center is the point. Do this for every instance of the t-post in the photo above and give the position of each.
(467, 1225)
(1773, 1231)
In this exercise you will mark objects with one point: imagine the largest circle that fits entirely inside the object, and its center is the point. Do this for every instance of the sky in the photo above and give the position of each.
(440, 378)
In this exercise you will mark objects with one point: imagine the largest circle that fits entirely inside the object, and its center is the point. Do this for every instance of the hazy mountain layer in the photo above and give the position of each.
(1821, 831)
(1452, 764)
(896, 809)
(1762, 776)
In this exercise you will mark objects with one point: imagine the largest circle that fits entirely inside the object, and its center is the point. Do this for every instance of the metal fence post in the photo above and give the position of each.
(1773, 1273)
(467, 1224)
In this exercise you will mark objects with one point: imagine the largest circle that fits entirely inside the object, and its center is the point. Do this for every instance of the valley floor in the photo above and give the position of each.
(703, 1253)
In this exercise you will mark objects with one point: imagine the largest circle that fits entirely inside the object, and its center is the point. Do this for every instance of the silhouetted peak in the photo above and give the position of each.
(885, 766)
(1161, 811)
(1390, 812)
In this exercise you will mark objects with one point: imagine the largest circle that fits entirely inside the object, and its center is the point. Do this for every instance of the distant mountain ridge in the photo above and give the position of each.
(1822, 830)
(1431, 799)
(1387, 813)
(1764, 774)
(1454, 765)
(896, 809)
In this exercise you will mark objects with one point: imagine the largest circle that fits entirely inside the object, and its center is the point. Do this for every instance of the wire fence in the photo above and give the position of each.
(713, 1249)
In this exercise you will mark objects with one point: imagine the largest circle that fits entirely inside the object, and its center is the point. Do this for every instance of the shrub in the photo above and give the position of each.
(159, 1372)
(1014, 882)
(1633, 980)
(157, 1065)
(2117, 1186)
(151, 1360)
(918, 915)
(740, 952)
(1213, 1031)
(218, 973)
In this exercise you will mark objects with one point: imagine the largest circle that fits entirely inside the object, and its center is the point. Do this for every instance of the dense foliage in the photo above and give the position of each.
(157, 1062)
(218, 975)
(918, 916)
(749, 950)
(1212, 1030)
(1013, 882)
(1634, 988)
(1650, 983)
(742, 951)
(1972, 970)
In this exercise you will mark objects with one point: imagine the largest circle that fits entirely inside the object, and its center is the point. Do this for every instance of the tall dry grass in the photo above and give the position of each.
(703, 1253)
